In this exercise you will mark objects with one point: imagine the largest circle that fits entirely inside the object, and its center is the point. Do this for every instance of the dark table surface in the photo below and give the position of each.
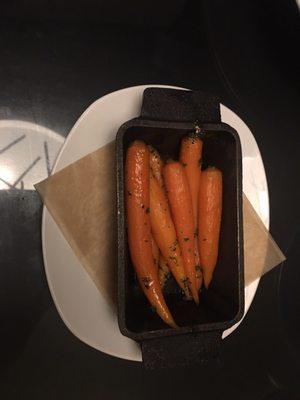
(58, 58)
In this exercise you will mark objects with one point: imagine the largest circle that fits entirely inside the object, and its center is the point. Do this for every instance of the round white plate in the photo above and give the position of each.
(79, 303)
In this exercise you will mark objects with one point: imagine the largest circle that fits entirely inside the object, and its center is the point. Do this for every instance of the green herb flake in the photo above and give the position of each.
(147, 210)
(197, 129)
(147, 281)
(174, 259)
(186, 283)
(174, 245)
(198, 271)
(196, 233)
(186, 239)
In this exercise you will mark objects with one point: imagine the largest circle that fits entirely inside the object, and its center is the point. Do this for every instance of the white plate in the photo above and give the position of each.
(79, 303)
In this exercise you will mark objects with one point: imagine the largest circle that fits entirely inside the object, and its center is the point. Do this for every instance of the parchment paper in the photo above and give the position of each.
(82, 200)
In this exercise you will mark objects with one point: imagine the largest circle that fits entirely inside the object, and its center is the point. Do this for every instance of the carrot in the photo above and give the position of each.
(191, 159)
(156, 165)
(199, 275)
(210, 211)
(155, 251)
(181, 206)
(137, 198)
(163, 270)
(164, 233)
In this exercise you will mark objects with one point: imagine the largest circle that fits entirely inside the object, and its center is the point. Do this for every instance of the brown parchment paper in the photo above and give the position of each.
(82, 200)
(261, 252)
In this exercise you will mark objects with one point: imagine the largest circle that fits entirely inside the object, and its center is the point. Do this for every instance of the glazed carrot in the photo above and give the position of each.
(181, 206)
(163, 270)
(137, 197)
(156, 165)
(162, 267)
(164, 233)
(155, 251)
(191, 159)
(210, 211)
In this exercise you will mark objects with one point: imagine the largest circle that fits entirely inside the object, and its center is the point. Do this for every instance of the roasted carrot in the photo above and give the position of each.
(182, 212)
(156, 165)
(155, 251)
(210, 211)
(191, 159)
(163, 270)
(137, 197)
(164, 233)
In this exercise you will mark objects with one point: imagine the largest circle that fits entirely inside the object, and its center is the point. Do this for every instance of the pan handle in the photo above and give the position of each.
(181, 350)
(180, 105)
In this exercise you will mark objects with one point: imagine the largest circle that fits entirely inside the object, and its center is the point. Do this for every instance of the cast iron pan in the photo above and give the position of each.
(167, 115)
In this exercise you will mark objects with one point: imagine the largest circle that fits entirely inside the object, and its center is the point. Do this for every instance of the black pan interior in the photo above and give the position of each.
(221, 302)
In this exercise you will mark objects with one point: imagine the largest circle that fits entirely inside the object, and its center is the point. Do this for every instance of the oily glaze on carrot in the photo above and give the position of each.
(181, 207)
(163, 270)
(155, 251)
(156, 165)
(137, 197)
(210, 211)
(191, 159)
(164, 233)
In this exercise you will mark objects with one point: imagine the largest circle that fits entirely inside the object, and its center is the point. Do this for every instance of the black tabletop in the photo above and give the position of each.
(56, 59)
